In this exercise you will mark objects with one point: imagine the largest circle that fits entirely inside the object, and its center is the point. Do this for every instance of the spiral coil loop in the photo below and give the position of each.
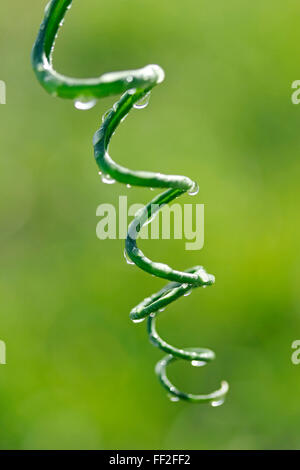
(134, 86)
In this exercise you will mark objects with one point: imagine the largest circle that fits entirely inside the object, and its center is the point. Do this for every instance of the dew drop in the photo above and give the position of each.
(128, 260)
(107, 179)
(138, 320)
(173, 398)
(142, 103)
(194, 190)
(47, 8)
(187, 293)
(217, 403)
(105, 115)
(198, 363)
(84, 105)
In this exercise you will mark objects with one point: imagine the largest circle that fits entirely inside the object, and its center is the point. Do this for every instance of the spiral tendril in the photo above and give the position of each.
(134, 86)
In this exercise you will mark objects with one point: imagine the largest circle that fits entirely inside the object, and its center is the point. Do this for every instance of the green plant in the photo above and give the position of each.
(135, 87)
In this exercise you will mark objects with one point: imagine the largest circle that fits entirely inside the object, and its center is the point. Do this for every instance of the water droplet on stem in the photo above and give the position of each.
(84, 105)
(107, 179)
(173, 398)
(143, 102)
(187, 293)
(105, 115)
(217, 402)
(138, 320)
(198, 363)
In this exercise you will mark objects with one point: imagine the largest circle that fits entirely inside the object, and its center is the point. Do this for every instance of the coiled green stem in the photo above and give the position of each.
(134, 86)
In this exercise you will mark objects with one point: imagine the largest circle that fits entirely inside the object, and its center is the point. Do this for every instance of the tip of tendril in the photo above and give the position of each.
(158, 72)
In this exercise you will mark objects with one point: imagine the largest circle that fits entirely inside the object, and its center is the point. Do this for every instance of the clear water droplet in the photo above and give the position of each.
(84, 105)
(143, 102)
(128, 260)
(47, 7)
(107, 179)
(187, 293)
(138, 320)
(105, 115)
(173, 398)
(217, 402)
(194, 190)
(198, 363)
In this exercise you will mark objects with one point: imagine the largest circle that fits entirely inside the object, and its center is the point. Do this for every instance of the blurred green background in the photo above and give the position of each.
(79, 374)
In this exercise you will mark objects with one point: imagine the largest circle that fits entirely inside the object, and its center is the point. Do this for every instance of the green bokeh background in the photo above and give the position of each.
(79, 374)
